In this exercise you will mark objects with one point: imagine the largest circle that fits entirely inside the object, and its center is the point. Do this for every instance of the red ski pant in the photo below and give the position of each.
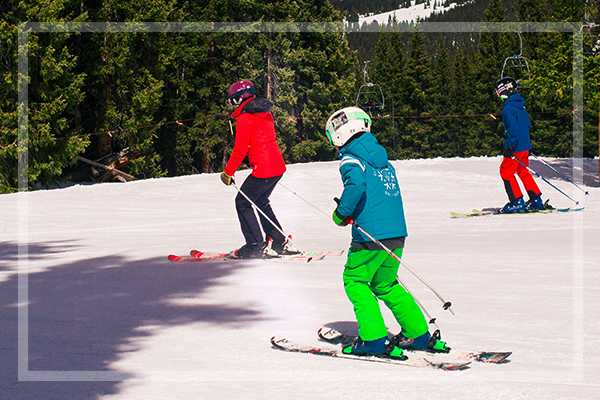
(510, 169)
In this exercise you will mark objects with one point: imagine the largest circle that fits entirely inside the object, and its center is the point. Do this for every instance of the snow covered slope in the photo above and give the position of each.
(104, 315)
(409, 14)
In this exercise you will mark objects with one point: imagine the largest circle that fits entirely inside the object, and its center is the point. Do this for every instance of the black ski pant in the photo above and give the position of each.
(258, 190)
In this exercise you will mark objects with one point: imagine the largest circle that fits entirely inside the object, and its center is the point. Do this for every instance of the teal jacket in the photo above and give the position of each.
(371, 193)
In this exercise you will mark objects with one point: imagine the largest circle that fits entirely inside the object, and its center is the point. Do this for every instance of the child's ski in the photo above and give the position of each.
(199, 256)
(286, 345)
(496, 211)
(333, 336)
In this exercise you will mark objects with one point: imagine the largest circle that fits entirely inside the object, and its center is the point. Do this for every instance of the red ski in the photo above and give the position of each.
(200, 256)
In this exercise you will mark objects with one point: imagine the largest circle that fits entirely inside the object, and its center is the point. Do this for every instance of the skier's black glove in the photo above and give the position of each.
(508, 153)
(227, 179)
(340, 220)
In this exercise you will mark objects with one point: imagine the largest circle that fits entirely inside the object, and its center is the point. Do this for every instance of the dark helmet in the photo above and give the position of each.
(240, 91)
(505, 87)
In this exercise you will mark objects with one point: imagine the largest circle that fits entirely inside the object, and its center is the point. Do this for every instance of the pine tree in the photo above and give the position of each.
(305, 75)
(446, 141)
(387, 71)
(550, 96)
(417, 72)
(485, 134)
(54, 91)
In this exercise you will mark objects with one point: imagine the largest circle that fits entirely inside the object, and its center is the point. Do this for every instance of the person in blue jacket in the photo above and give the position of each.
(516, 147)
(372, 200)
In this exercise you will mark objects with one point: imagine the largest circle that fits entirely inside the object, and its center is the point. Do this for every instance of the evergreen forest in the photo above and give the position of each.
(160, 96)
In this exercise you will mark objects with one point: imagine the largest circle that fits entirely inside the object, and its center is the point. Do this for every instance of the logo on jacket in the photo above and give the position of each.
(389, 181)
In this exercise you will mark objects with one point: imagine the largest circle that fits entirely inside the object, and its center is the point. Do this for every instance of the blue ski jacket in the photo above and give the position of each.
(516, 124)
(371, 193)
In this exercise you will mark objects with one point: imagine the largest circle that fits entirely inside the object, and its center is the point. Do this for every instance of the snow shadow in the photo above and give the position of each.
(565, 167)
(83, 315)
(350, 327)
(347, 327)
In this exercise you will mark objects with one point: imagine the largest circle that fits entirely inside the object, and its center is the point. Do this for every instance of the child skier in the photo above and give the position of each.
(516, 147)
(371, 197)
(255, 138)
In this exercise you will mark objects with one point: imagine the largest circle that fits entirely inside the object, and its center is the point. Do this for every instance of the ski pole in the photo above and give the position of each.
(446, 304)
(289, 237)
(303, 199)
(553, 169)
(429, 317)
(545, 180)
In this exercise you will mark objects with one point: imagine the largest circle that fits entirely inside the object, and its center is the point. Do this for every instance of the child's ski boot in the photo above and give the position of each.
(379, 347)
(514, 207)
(426, 342)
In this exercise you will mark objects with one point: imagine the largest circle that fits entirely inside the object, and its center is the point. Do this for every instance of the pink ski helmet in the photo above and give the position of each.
(240, 91)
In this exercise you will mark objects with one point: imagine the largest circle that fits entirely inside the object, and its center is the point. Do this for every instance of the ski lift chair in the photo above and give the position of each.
(592, 48)
(370, 96)
(517, 67)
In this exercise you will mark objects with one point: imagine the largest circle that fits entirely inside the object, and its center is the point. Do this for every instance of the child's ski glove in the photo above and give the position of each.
(508, 153)
(227, 179)
(340, 220)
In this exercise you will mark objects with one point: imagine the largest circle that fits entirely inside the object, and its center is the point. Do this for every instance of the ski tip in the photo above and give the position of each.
(196, 253)
(329, 334)
(494, 357)
(277, 341)
(455, 366)
(174, 258)
(321, 333)
(324, 329)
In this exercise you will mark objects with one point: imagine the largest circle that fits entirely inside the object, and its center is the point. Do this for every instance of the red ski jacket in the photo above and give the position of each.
(255, 137)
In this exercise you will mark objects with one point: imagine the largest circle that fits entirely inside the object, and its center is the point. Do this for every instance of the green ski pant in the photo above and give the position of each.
(370, 275)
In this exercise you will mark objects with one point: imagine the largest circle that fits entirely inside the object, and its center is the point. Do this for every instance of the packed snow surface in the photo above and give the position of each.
(90, 307)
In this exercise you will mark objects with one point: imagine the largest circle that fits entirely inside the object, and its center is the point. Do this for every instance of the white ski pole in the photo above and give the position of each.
(446, 304)
(429, 317)
(289, 237)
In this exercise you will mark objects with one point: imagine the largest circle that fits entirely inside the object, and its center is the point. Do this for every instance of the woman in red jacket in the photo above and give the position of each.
(255, 138)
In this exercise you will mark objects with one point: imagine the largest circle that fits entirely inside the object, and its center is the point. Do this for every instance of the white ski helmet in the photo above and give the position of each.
(345, 123)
